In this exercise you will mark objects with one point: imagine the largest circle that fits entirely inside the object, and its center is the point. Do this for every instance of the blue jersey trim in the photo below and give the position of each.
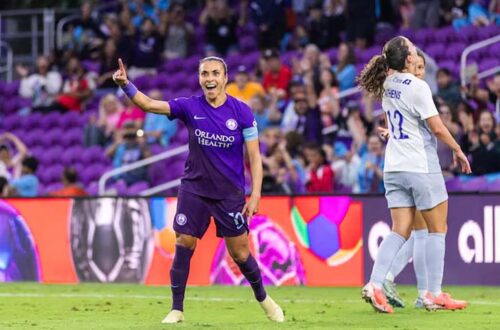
(250, 133)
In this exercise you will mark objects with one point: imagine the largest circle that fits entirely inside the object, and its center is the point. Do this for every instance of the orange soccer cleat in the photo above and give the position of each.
(376, 298)
(443, 301)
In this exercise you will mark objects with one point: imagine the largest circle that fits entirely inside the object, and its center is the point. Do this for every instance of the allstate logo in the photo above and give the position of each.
(181, 219)
(231, 124)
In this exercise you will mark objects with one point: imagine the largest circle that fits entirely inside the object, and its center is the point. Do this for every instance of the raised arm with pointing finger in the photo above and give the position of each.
(140, 99)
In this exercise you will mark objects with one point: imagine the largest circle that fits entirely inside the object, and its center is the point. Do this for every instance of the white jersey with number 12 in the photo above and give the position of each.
(407, 102)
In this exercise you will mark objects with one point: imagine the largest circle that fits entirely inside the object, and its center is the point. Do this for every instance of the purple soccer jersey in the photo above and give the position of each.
(214, 167)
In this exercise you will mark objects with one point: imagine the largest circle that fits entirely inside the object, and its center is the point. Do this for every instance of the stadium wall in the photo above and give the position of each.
(303, 240)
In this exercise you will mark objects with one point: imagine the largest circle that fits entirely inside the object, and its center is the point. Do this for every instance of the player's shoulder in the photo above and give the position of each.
(237, 104)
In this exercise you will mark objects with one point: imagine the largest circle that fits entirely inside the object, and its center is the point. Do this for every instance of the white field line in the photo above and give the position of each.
(209, 299)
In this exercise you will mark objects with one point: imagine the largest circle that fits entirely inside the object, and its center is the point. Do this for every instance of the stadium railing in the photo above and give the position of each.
(8, 67)
(24, 24)
(463, 60)
(141, 163)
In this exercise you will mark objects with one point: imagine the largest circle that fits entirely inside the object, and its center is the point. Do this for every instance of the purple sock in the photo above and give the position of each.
(251, 271)
(179, 275)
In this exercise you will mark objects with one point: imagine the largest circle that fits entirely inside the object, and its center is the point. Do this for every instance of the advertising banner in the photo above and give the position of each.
(296, 241)
(472, 242)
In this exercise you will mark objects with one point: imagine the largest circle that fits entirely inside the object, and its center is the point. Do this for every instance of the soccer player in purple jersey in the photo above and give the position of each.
(213, 183)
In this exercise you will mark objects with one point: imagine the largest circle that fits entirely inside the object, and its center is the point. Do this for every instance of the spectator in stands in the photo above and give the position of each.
(426, 14)
(86, 35)
(123, 40)
(26, 185)
(444, 153)
(131, 113)
(278, 75)
(406, 12)
(142, 10)
(71, 188)
(282, 169)
(126, 149)
(371, 169)
(360, 17)
(270, 137)
(308, 119)
(489, 97)
(10, 166)
(270, 19)
(448, 89)
(345, 165)
(41, 86)
(177, 32)
(158, 128)
(327, 99)
(265, 111)
(108, 60)
(484, 145)
(345, 69)
(99, 131)
(77, 88)
(220, 24)
(494, 10)
(319, 174)
(147, 50)
(4, 187)
(242, 88)
(324, 27)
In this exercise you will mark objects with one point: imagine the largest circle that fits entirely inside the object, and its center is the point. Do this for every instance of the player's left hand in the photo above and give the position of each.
(460, 157)
(251, 207)
(384, 133)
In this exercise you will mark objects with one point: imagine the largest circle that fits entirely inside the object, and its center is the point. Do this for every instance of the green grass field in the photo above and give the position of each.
(99, 306)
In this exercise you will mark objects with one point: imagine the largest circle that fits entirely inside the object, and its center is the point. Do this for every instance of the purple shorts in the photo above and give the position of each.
(194, 211)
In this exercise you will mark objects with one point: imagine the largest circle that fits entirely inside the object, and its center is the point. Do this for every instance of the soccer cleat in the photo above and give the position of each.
(443, 301)
(392, 295)
(174, 316)
(376, 298)
(272, 309)
(419, 303)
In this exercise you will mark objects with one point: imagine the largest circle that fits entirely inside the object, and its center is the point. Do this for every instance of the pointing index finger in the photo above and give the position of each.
(120, 65)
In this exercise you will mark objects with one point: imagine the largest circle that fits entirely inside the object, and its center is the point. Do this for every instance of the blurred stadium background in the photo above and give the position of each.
(66, 131)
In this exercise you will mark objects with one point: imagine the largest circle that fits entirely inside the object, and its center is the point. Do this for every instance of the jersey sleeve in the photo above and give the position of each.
(178, 108)
(423, 103)
(248, 123)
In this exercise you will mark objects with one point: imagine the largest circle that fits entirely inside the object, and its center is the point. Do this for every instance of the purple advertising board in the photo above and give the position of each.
(472, 243)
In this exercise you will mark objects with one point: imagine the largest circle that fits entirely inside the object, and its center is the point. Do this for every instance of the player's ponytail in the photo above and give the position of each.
(393, 57)
(372, 78)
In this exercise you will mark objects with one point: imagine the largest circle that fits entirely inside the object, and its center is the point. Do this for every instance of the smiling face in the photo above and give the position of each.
(420, 69)
(212, 79)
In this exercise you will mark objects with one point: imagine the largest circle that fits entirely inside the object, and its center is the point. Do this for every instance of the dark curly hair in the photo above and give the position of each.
(393, 56)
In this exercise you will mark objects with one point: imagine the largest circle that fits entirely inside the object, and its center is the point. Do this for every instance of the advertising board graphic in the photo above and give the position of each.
(472, 242)
(296, 241)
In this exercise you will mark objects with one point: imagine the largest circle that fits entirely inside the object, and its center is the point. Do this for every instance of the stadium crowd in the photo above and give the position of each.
(313, 140)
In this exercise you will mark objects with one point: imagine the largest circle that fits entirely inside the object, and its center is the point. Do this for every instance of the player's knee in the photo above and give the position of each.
(239, 256)
(186, 241)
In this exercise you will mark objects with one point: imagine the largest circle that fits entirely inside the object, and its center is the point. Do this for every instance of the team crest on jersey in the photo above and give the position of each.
(181, 219)
(231, 124)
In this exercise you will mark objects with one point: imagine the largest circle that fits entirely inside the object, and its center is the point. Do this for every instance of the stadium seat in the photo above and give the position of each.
(51, 155)
(50, 174)
(52, 137)
(137, 187)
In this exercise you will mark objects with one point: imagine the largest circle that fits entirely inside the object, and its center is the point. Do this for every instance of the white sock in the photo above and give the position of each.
(435, 250)
(419, 262)
(386, 254)
(402, 258)
(390, 277)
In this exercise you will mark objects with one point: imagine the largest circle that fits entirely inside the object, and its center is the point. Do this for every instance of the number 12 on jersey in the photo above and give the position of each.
(395, 117)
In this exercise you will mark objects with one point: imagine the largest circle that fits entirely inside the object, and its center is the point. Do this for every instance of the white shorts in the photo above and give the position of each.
(408, 189)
